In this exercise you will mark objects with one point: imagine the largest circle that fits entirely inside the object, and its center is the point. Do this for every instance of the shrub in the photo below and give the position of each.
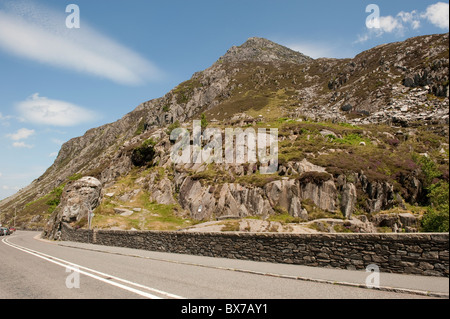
(347, 108)
(257, 179)
(144, 154)
(393, 142)
(141, 127)
(314, 177)
(437, 217)
(173, 126)
(429, 168)
(54, 198)
(75, 177)
(439, 195)
(436, 221)
(204, 121)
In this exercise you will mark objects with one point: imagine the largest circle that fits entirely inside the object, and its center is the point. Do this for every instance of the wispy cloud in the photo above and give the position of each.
(4, 120)
(2, 117)
(410, 18)
(22, 145)
(21, 134)
(39, 33)
(436, 14)
(42, 110)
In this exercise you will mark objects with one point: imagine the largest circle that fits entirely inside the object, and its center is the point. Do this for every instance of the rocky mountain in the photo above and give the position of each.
(356, 137)
(263, 50)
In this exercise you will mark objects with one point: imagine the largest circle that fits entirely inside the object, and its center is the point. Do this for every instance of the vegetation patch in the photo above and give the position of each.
(230, 225)
(147, 215)
(342, 229)
(314, 177)
(257, 179)
(436, 219)
(284, 218)
(144, 154)
(185, 90)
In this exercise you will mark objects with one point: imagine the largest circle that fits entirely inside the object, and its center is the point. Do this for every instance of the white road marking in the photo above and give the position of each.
(90, 273)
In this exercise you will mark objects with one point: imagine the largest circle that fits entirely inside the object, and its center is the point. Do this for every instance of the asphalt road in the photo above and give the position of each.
(35, 269)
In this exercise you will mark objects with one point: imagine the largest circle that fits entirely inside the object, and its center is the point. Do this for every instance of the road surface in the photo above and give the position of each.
(31, 268)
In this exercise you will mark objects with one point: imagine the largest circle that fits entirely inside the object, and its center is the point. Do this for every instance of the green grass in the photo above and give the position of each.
(75, 177)
(165, 213)
(342, 229)
(152, 216)
(185, 90)
(314, 212)
(284, 218)
(230, 226)
(213, 174)
(351, 139)
(48, 202)
(257, 179)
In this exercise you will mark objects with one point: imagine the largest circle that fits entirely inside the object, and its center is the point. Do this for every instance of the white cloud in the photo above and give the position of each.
(21, 134)
(412, 18)
(1, 174)
(390, 24)
(41, 110)
(362, 38)
(54, 154)
(22, 145)
(437, 14)
(40, 34)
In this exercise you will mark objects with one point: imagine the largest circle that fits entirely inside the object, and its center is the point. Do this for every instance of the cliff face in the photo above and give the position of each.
(350, 130)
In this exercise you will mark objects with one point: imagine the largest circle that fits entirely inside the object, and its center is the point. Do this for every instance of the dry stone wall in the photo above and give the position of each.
(421, 254)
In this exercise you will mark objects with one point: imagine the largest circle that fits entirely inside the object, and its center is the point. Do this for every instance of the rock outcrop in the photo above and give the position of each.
(400, 222)
(348, 201)
(79, 199)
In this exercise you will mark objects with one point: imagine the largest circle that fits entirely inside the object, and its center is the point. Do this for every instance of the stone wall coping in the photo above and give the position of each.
(323, 236)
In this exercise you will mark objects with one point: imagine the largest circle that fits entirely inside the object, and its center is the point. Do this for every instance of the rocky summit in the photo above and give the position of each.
(362, 147)
(263, 50)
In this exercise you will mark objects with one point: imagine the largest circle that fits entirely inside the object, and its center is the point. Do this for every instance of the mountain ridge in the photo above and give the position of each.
(257, 49)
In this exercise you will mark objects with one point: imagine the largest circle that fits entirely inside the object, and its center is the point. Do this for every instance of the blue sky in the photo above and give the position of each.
(56, 82)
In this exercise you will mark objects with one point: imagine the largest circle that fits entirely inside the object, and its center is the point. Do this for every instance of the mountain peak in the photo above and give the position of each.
(262, 50)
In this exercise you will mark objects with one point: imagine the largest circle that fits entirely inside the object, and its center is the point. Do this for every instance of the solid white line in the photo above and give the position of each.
(77, 268)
